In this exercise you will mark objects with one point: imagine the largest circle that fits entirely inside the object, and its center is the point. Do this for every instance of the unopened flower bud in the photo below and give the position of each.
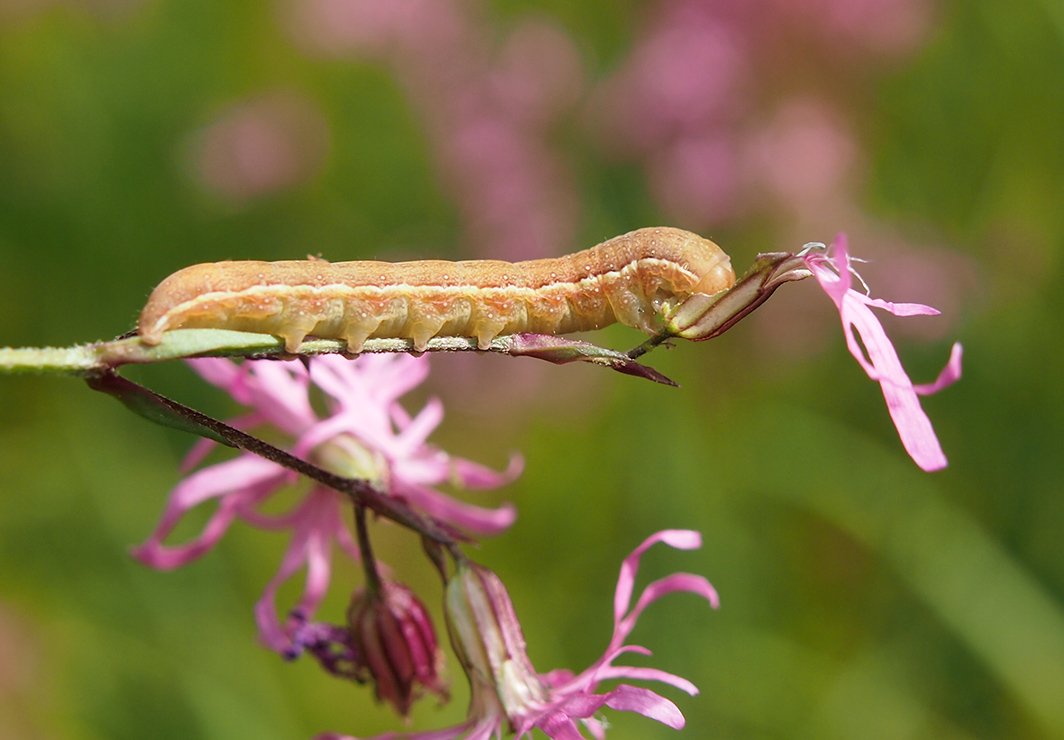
(703, 316)
(488, 640)
(393, 634)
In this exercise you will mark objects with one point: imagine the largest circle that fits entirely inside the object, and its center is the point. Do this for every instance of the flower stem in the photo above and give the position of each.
(369, 563)
(88, 359)
(660, 338)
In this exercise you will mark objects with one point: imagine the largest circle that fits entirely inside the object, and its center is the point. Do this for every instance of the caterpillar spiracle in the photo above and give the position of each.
(637, 279)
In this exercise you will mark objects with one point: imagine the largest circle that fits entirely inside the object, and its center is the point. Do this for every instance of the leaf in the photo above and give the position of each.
(151, 406)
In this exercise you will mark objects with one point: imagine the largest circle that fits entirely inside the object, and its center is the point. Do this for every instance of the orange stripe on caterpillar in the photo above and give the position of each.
(637, 279)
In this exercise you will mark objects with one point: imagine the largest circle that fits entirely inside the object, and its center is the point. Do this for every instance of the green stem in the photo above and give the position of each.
(48, 360)
(369, 563)
(101, 357)
(660, 338)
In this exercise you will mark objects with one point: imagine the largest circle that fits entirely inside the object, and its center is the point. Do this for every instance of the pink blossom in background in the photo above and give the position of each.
(488, 109)
(24, 678)
(686, 73)
(259, 147)
(697, 178)
(340, 27)
(697, 102)
(946, 278)
(506, 690)
(887, 27)
(673, 104)
(803, 157)
(19, 654)
(538, 74)
(877, 355)
(365, 434)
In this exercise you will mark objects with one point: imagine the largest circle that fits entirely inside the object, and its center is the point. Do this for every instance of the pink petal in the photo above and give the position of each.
(399, 416)
(237, 481)
(319, 570)
(344, 384)
(195, 456)
(950, 374)
(397, 375)
(558, 726)
(646, 703)
(681, 539)
(902, 309)
(155, 554)
(237, 474)
(688, 582)
(309, 546)
(473, 476)
(220, 372)
(418, 430)
(914, 427)
(270, 629)
(469, 517)
(285, 520)
(604, 670)
(322, 432)
(280, 394)
(623, 698)
(347, 544)
(595, 727)
(647, 674)
(163, 557)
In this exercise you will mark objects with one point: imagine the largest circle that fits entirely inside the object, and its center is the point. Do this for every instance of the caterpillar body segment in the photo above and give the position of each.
(635, 279)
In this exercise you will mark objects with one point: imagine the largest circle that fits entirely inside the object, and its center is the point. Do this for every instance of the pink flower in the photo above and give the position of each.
(260, 146)
(366, 434)
(877, 355)
(507, 693)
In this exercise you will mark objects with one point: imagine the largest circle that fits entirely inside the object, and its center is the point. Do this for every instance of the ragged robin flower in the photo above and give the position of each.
(876, 354)
(365, 434)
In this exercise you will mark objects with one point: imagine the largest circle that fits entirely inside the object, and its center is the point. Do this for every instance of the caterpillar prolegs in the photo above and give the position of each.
(637, 279)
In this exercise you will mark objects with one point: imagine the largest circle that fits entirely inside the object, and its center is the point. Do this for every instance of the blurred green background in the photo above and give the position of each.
(861, 597)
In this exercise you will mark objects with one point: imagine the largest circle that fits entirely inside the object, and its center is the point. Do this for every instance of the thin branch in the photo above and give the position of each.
(158, 408)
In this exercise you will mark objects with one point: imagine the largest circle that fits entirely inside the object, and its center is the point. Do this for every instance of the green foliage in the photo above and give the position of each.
(860, 597)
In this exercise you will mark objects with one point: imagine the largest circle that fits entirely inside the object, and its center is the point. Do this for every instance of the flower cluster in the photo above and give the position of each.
(388, 638)
(366, 434)
(689, 101)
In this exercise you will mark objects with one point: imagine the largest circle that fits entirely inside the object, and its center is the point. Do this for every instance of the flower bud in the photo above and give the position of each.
(487, 638)
(394, 636)
(702, 316)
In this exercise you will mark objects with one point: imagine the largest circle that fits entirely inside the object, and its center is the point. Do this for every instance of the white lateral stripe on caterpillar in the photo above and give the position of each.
(634, 279)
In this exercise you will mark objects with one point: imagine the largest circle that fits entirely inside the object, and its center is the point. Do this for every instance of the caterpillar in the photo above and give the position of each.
(637, 279)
